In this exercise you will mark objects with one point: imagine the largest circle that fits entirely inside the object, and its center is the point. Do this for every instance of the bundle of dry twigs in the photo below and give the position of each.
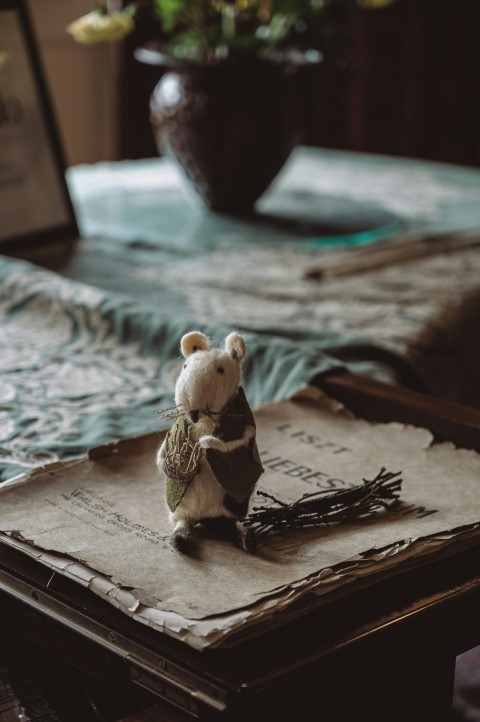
(324, 507)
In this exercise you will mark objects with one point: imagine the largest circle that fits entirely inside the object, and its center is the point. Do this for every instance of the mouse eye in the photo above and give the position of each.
(220, 370)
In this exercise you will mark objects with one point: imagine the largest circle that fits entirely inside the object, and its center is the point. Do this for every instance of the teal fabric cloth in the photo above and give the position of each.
(146, 234)
(89, 349)
(82, 366)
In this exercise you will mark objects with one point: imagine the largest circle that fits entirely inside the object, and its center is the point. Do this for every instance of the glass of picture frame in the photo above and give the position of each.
(35, 205)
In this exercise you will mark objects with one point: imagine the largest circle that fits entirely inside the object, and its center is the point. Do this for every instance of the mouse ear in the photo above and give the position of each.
(235, 345)
(194, 341)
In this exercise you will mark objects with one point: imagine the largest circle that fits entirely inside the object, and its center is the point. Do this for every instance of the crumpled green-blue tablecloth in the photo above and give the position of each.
(89, 343)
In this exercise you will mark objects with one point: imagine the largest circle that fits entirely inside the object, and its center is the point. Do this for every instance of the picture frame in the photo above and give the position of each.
(35, 205)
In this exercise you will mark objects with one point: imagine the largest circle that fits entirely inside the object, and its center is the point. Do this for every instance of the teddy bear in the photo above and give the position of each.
(209, 457)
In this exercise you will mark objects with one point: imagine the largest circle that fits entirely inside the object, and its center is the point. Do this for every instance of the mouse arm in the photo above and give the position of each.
(212, 442)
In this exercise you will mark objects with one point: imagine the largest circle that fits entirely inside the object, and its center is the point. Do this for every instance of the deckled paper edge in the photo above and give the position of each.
(214, 631)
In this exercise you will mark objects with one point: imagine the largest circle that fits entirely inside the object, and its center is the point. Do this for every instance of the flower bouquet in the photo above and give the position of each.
(211, 31)
(231, 106)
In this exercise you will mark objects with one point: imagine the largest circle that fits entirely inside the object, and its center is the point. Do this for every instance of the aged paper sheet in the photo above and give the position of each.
(108, 514)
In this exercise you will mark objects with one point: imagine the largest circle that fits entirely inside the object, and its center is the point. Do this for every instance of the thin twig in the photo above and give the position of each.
(170, 413)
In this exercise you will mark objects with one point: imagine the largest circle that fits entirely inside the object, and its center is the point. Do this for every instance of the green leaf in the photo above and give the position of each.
(170, 12)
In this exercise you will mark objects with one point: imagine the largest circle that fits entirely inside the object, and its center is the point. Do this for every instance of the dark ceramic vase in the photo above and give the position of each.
(231, 128)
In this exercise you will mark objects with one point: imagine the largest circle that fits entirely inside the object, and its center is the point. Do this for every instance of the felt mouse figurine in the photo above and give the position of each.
(209, 457)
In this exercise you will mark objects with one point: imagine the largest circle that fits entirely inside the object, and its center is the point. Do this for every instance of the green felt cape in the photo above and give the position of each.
(237, 471)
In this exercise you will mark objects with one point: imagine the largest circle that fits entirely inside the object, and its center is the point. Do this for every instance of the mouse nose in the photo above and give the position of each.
(194, 416)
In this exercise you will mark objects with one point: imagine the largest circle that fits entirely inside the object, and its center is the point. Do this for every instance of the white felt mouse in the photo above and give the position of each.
(209, 457)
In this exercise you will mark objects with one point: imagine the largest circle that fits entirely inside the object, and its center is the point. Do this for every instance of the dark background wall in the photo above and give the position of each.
(409, 86)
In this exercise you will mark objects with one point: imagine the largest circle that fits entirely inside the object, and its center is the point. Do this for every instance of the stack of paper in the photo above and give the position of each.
(102, 521)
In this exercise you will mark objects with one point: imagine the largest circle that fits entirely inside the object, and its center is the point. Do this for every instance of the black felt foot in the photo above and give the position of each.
(182, 540)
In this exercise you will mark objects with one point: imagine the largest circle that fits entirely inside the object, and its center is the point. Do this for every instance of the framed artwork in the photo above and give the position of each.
(34, 200)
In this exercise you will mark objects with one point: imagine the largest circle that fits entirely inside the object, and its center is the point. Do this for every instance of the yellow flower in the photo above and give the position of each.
(98, 27)
(374, 3)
